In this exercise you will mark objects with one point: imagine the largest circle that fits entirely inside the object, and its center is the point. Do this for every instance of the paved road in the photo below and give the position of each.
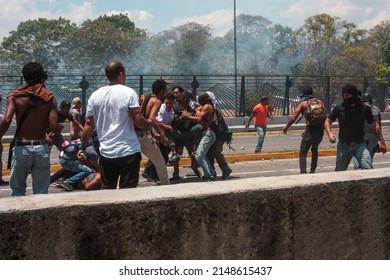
(245, 169)
(244, 144)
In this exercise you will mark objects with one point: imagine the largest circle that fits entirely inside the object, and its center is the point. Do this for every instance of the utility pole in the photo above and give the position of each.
(235, 58)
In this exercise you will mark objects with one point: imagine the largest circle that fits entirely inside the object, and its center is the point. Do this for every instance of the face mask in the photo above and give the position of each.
(348, 102)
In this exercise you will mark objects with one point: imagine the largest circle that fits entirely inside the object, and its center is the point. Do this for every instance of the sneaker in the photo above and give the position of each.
(208, 179)
(3, 183)
(172, 179)
(146, 176)
(175, 158)
(155, 183)
(65, 186)
(226, 174)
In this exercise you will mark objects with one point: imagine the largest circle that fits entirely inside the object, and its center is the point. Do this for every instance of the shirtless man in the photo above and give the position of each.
(31, 152)
(205, 118)
(150, 149)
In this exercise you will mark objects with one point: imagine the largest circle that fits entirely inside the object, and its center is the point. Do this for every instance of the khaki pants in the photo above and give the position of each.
(151, 150)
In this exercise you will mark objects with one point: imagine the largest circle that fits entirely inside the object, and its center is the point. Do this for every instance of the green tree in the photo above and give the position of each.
(351, 42)
(383, 73)
(98, 41)
(39, 40)
(177, 50)
(284, 49)
(318, 39)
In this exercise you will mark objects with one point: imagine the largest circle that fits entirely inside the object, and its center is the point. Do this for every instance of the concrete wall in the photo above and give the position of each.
(344, 215)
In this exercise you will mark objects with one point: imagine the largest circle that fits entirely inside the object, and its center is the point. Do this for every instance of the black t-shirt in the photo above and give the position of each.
(181, 123)
(61, 119)
(351, 121)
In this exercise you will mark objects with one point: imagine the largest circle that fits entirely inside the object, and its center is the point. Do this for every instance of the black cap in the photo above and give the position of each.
(307, 90)
(65, 103)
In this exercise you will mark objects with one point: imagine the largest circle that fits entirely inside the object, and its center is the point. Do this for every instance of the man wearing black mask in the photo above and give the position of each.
(351, 115)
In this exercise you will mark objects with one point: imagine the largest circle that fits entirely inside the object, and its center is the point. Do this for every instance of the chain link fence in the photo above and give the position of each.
(236, 95)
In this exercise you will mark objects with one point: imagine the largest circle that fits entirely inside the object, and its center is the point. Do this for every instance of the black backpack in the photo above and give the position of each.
(221, 129)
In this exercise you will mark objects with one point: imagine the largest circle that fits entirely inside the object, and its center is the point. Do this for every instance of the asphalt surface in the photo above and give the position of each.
(279, 157)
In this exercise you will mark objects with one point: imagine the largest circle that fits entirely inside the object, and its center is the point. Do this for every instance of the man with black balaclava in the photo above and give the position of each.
(314, 132)
(351, 115)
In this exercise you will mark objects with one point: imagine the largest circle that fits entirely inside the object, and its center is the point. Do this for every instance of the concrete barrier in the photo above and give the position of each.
(343, 215)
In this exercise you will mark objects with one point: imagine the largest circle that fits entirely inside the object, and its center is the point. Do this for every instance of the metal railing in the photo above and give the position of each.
(282, 91)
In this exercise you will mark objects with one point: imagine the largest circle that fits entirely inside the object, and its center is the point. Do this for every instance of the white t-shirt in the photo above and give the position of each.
(164, 115)
(109, 106)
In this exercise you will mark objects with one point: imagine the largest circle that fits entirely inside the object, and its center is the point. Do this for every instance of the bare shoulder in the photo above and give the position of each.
(207, 107)
(154, 101)
(302, 106)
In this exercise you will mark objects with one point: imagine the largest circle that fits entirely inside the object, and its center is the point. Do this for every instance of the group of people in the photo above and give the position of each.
(104, 149)
(360, 134)
(162, 123)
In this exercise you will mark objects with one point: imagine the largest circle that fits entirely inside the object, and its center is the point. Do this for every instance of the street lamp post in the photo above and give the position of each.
(235, 57)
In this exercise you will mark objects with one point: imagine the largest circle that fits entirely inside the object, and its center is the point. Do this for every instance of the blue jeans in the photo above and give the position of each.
(205, 143)
(372, 145)
(81, 170)
(30, 158)
(346, 152)
(215, 152)
(261, 130)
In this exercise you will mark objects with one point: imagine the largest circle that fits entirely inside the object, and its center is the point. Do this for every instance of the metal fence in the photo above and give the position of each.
(236, 95)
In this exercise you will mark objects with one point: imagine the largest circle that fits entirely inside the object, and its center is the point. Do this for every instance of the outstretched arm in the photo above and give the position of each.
(293, 118)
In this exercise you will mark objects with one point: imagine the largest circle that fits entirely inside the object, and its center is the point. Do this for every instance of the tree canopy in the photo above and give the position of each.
(37, 40)
(324, 45)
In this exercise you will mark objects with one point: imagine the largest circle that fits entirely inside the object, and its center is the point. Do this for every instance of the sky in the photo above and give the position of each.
(158, 15)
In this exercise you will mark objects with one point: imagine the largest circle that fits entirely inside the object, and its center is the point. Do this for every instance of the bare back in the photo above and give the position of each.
(152, 108)
(36, 123)
(207, 116)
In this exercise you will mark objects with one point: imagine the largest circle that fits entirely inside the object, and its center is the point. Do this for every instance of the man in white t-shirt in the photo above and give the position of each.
(114, 110)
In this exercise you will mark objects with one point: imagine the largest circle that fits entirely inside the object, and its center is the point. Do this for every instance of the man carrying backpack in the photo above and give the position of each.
(314, 112)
